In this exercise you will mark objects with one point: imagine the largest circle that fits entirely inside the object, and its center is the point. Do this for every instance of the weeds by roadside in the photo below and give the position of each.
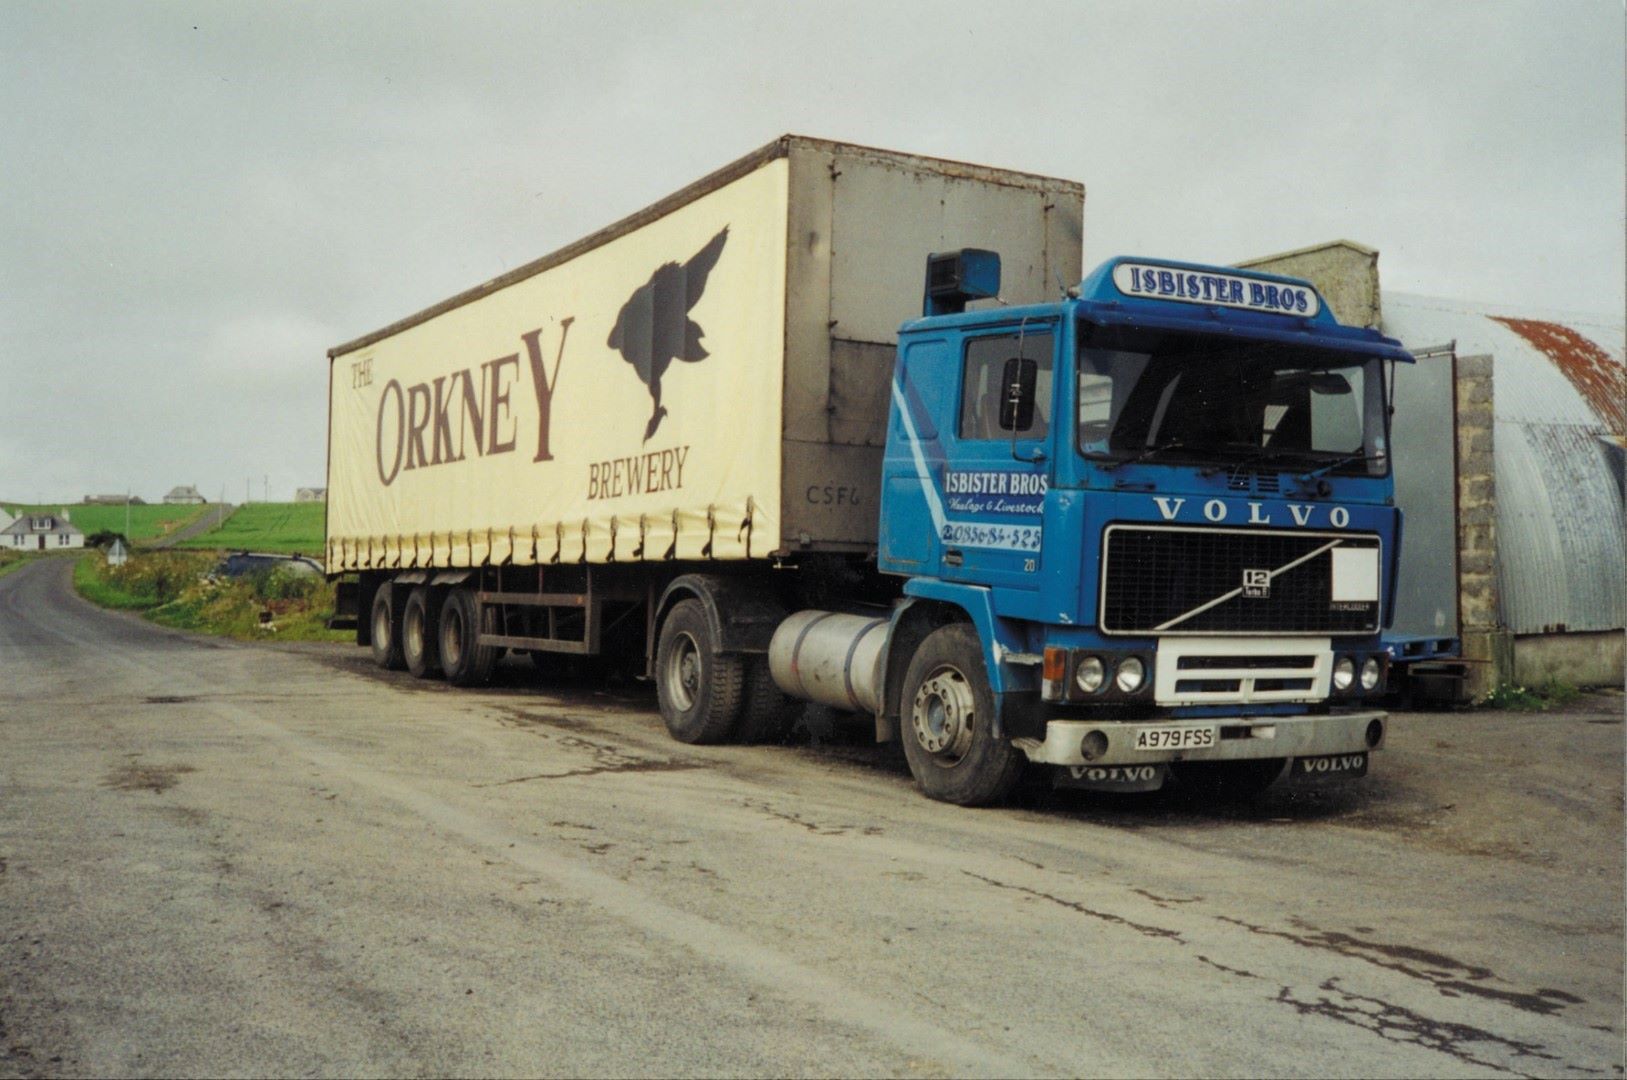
(1531, 699)
(181, 589)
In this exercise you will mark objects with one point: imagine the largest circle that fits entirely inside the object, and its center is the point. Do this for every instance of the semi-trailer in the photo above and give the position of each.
(1123, 528)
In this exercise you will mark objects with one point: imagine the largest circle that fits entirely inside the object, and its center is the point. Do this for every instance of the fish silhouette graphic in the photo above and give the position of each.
(653, 327)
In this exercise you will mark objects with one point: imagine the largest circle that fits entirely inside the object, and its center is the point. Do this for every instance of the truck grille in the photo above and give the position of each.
(1177, 580)
(1226, 671)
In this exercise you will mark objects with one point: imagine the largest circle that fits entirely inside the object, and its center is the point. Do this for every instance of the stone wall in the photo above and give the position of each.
(1486, 641)
(1344, 272)
(1578, 658)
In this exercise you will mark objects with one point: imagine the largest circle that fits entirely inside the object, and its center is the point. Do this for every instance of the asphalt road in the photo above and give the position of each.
(241, 859)
(215, 514)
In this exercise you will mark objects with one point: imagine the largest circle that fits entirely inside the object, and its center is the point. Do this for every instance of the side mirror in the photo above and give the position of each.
(1017, 401)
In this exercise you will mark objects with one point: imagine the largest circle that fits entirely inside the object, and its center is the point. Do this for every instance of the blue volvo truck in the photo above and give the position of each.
(1147, 528)
(1126, 530)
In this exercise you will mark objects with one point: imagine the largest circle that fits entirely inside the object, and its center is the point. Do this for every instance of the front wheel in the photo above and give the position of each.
(948, 722)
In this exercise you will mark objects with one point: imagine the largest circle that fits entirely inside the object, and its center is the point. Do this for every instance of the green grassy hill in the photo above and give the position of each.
(286, 527)
(146, 522)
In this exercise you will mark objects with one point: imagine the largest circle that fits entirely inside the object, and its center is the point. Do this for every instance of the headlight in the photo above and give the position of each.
(1344, 673)
(1369, 673)
(1131, 675)
(1090, 674)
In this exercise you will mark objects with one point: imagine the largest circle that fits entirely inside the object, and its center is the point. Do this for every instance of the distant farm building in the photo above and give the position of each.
(115, 500)
(311, 495)
(183, 496)
(41, 532)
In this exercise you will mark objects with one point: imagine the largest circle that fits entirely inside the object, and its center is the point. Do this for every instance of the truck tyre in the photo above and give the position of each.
(419, 625)
(465, 662)
(766, 714)
(948, 722)
(385, 621)
(699, 688)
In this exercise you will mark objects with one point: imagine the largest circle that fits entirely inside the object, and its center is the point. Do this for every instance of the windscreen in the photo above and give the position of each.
(1183, 399)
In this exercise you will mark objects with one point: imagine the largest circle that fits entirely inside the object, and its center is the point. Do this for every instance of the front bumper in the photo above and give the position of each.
(1239, 738)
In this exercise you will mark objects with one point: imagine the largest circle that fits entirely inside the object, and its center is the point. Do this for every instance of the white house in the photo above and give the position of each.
(311, 494)
(183, 495)
(5, 518)
(41, 532)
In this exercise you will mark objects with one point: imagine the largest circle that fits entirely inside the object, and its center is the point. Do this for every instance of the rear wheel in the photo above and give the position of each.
(698, 687)
(419, 619)
(766, 714)
(948, 722)
(386, 630)
(465, 662)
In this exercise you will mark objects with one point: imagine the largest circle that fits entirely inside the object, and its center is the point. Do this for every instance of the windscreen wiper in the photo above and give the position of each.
(1255, 454)
(1156, 448)
(1360, 455)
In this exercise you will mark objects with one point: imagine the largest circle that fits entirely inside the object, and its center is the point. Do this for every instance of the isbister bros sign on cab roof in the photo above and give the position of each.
(1187, 285)
(622, 404)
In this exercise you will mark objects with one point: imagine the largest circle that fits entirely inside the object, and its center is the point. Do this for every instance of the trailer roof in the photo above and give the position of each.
(780, 147)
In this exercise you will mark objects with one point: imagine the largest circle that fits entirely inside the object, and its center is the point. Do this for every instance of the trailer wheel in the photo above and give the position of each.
(386, 625)
(699, 688)
(419, 621)
(948, 722)
(465, 662)
(767, 714)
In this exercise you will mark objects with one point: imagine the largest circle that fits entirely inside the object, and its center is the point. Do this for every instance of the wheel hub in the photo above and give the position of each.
(452, 644)
(942, 714)
(684, 673)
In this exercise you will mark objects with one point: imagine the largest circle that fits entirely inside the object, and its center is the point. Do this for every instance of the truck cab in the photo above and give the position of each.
(1160, 509)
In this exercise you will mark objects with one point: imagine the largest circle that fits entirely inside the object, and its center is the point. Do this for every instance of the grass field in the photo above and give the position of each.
(146, 522)
(282, 527)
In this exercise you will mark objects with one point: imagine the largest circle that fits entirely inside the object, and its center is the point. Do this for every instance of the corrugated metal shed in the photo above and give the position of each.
(1560, 385)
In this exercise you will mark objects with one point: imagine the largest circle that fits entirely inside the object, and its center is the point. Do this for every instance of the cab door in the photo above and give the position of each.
(999, 455)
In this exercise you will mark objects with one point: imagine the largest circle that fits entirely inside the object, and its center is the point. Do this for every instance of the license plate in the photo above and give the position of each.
(1175, 738)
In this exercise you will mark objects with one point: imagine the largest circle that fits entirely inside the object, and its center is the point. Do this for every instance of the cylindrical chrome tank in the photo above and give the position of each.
(830, 658)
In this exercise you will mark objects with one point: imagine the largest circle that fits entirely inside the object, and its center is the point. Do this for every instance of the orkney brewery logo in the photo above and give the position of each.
(653, 327)
(442, 420)
(473, 411)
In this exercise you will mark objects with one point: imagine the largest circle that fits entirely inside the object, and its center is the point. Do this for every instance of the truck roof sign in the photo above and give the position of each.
(1192, 285)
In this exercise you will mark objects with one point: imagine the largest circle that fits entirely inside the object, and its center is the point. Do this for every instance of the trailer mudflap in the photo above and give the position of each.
(346, 605)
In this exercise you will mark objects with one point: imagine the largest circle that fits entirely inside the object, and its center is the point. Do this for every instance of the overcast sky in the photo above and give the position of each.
(197, 200)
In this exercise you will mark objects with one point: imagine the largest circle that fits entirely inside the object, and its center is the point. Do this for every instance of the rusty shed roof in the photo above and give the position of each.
(1559, 384)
